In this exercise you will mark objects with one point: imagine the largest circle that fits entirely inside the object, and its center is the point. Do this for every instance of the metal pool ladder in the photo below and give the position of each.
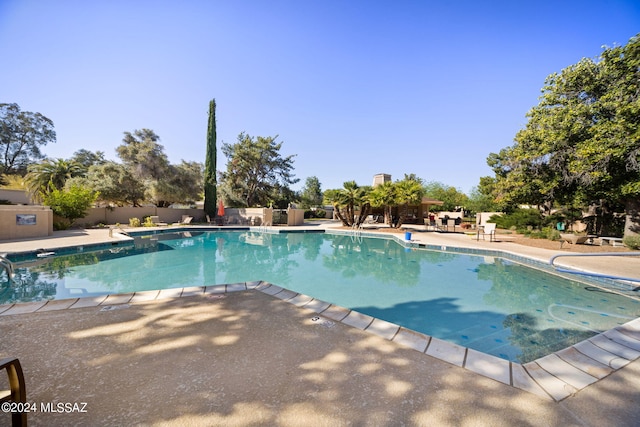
(7, 266)
(584, 273)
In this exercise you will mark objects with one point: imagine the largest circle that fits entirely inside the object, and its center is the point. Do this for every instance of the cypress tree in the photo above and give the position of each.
(210, 180)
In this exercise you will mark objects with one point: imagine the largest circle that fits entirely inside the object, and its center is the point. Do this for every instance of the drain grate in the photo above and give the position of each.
(114, 307)
(323, 322)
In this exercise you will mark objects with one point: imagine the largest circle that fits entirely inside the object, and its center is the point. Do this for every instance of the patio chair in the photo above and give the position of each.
(186, 219)
(489, 229)
(17, 392)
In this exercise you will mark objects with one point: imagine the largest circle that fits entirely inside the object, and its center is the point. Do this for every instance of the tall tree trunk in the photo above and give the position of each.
(632, 217)
(210, 180)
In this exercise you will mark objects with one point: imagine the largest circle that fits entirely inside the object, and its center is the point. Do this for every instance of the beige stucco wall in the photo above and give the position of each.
(295, 216)
(18, 197)
(252, 216)
(121, 215)
(37, 222)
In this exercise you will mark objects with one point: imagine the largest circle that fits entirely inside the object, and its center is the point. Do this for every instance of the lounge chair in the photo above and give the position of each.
(17, 392)
(440, 225)
(489, 229)
(186, 219)
(371, 219)
(156, 220)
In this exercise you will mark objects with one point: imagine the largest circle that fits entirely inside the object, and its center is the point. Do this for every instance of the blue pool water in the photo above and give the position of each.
(486, 303)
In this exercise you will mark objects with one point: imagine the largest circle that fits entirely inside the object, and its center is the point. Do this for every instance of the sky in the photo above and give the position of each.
(350, 88)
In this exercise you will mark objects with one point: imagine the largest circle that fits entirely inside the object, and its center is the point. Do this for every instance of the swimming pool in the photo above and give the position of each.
(487, 303)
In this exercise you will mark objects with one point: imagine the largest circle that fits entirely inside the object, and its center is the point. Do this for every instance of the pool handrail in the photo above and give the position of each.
(7, 265)
(586, 273)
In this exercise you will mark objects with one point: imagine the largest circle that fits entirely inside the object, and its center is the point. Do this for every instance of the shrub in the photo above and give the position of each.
(546, 233)
(632, 242)
(521, 219)
(70, 204)
(134, 222)
(148, 222)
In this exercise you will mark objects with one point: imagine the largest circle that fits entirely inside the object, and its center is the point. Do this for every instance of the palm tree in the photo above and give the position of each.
(346, 200)
(384, 196)
(408, 192)
(52, 173)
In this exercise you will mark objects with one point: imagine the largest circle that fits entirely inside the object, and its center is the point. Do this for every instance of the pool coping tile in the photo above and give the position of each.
(170, 293)
(382, 328)
(554, 386)
(631, 329)
(192, 291)
(357, 320)
(301, 300)
(286, 294)
(447, 351)
(27, 307)
(412, 339)
(600, 355)
(116, 299)
(215, 289)
(623, 339)
(237, 287)
(566, 372)
(271, 289)
(615, 347)
(89, 301)
(585, 363)
(252, 285)
(488, 366)
(336, 312)
(54, 305)
(521, 379)
(145, 296)
(317, 305)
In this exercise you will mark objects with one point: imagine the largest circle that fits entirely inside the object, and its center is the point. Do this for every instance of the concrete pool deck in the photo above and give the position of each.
(201, 357)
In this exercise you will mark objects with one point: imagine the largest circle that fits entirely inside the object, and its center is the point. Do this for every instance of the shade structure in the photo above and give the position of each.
(220, 208)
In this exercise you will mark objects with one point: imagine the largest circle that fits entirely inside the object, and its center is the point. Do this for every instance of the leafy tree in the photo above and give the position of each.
(114, 183)
(182, 185)
(88, 158)
(52, 173)
(22, 133)
(451, 196)
(141, 152)
(165, 183)
(311, 194)
(210, 180)
(71, 203)
(254, 169)
(481, 198)
(281, 196)
(581, 144)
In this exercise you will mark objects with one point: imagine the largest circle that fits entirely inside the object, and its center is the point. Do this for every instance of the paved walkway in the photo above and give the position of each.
(247, 358)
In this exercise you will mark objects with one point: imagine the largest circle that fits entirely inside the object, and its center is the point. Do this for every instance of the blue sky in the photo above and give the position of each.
(352, 88)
